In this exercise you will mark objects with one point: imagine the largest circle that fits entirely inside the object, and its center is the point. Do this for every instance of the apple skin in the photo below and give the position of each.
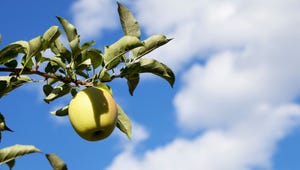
(93, 113)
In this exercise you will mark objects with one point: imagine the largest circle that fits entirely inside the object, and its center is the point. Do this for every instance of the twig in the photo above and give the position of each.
(43, 74)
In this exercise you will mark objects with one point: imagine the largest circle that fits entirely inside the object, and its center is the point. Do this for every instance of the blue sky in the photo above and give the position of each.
(234, 106)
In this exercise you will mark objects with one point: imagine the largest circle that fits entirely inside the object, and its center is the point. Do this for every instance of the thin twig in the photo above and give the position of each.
(43, 74)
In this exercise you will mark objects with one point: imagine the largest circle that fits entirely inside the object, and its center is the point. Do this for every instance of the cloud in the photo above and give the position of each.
(223, 91)
(241, 147)
(241, 98)
(91, 17)
(203, 27)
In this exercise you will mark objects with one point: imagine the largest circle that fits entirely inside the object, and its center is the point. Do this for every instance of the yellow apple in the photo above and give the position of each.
(93, 113)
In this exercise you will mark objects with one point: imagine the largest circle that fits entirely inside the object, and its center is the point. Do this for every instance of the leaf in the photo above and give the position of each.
(23, 46)
(11, 51)
(9, 83)
(132, 82)
(11, 164)
(61, 112)
(11, 64)
(87, 45)
(69, 29)
(3, 126)
(123, 122)
(56, 162)
(47, 89)
(50, 36)
(96, 57)
(113, 54)
(150, 44)
(104, 75)
(73, 92)
(39, 59)
(8, 53)
(51, 67)
(82, 62)
(60, 50)
(34, 47)
(12, 152)
(129, 23)
(59, 61)
(149, 65)
(57, 92)
(72, 36)
(75, 46)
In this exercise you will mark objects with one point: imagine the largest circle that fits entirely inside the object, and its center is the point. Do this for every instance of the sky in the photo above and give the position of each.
(235, 104)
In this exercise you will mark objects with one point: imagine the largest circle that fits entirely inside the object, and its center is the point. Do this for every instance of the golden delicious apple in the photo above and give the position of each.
(93, 113)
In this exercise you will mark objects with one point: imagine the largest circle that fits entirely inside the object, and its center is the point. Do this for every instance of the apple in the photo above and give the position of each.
(93, 113)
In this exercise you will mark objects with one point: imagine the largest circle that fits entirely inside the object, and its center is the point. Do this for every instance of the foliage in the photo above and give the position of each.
(77, 66)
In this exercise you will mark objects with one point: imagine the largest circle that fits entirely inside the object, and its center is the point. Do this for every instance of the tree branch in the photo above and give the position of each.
(43, 74)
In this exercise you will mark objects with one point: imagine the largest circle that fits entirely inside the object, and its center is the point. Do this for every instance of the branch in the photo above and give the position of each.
(43, 74)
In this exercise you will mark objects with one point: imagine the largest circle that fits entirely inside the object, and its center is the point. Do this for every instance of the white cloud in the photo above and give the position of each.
(202, 27)
(91, 17)
(222, 92)
(242, 147)
(241, 97)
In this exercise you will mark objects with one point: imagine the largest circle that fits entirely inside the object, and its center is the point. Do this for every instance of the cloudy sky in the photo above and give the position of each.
(234, 106)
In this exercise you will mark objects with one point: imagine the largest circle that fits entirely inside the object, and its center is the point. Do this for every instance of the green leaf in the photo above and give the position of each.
(51, 81)
(59, 61)
(104, 75)
(150, 44)
(82, 62)
(132, 82)
(11, 51)
(69, 29)
(75, 46)
(73, 92)
(60, 50)
(26, 62)
(61, 112)
(149, 65)
(47, 89)
(87, 45)
(129, 23)
(56, 162)
(23, 46)
(35, 46)
(123, 122)
(51, 67)
(50, 36)
(12, 152)
(96, 57)
(11, 164)
(12, 64)
(113, 54)
(57, 92)
(3, 126)
(9, 83)
(39, 59)
(8, 53)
